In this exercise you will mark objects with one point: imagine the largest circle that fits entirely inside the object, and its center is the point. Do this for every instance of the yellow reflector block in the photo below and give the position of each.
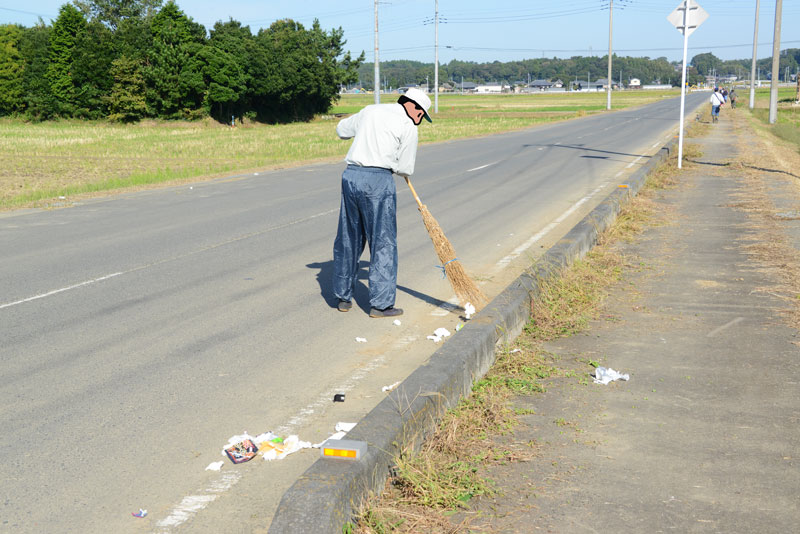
(343, 449)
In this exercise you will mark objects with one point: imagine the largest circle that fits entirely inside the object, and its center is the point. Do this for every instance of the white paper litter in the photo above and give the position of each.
(344, 427)
(391, 388)
(469, 310)
(397, 322)
(215, 466)
(288, 446)
(361, 340)
(604, 375)
(435, 339)
(441, 332)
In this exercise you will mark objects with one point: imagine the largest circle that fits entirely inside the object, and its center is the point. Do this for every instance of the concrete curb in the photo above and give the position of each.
(324, 498)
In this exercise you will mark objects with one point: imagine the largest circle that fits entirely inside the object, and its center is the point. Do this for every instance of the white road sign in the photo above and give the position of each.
(696, 16)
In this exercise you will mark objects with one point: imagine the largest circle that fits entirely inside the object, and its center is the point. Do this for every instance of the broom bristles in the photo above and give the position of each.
(463, 286)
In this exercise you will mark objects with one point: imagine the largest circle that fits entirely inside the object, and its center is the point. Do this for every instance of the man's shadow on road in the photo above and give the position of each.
(361, 293)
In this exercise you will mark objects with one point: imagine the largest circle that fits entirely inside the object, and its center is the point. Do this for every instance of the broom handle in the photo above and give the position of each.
(413, 192)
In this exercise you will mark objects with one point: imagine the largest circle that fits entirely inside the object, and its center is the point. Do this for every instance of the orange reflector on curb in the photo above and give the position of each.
(339, 453)
(343, 449)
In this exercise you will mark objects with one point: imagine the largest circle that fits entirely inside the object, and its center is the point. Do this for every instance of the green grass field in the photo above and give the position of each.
(40, 162)
(787, 126)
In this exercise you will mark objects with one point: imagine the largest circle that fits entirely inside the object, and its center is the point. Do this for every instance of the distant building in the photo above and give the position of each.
(541, 85)
(602, 83)
(465, 87)
(492, 88)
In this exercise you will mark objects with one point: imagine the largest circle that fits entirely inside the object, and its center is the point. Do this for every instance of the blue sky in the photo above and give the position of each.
(504, 30)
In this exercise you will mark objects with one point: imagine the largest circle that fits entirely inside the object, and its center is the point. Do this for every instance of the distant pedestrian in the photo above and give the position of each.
(384, 142)
(716, 102)
(724, 95)
(733, 96)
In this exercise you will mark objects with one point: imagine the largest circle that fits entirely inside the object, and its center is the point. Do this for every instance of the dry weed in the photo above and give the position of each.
(770, 246)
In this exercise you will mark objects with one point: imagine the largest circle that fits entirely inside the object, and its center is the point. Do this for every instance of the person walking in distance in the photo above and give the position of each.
(716, 103)
(384, 143)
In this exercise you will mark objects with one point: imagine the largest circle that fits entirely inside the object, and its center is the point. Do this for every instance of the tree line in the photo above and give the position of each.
(575, 69)
(129, 59)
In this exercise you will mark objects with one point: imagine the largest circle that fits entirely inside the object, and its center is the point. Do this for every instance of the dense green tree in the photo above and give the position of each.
(126, 102)
(38, 100)
(173, 72)
(228, 75)
(225, 81)
(297, 72)
(68, 29)
(114, 12)
(91, 71)
(706, 63)
(11, 69)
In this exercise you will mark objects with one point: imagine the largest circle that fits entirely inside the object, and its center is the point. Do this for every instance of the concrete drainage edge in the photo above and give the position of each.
(325, 497)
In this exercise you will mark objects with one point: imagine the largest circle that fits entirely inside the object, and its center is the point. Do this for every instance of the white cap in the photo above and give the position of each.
(421, 99)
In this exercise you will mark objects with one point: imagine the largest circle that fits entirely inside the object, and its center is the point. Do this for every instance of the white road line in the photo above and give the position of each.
(632, 163)
(482, 167)
(166, 260)
(547, 229)
(56, 291)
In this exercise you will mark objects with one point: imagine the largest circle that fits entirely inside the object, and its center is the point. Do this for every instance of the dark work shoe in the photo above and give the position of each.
(391, 311)
(345, 305)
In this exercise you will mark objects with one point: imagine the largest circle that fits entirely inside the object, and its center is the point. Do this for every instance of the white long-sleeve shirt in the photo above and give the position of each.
(384, 136)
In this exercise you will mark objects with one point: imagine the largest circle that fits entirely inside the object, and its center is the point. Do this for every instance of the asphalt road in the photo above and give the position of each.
(140, 332)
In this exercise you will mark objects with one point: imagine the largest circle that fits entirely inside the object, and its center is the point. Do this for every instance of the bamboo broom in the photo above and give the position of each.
(464, 288)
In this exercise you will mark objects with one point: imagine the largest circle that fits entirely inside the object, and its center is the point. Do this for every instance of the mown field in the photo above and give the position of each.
(41, 162)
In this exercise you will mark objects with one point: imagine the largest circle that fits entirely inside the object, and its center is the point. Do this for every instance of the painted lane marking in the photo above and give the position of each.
(56, 291)
(482, 166)
(546, 230)
(192, 504)
(632, 163)
(171, 259)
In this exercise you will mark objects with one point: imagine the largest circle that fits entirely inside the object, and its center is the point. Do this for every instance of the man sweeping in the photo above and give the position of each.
(384, 142)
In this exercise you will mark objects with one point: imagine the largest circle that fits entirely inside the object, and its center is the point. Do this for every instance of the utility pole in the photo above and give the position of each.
(436, 61)
(377, 83)
(753, 64)
(610, 26)
(776, 64)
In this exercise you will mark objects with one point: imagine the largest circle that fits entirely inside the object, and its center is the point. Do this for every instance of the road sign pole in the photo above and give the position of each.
(753, 64)
(683, 79)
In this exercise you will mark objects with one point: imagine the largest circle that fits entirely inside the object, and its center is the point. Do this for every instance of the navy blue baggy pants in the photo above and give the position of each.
(367, 215)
